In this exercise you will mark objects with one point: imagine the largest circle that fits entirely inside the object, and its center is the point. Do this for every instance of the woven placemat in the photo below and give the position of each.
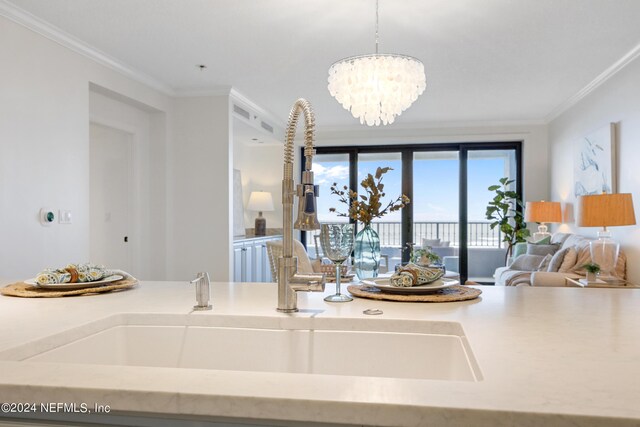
(450, 294)
(21, 289)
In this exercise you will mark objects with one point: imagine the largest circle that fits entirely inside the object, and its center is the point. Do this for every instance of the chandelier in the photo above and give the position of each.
(377, 88)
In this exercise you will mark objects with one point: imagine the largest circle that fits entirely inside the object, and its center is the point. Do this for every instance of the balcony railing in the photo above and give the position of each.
(479, 233)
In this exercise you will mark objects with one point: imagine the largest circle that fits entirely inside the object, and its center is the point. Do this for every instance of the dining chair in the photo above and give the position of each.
(275, 250)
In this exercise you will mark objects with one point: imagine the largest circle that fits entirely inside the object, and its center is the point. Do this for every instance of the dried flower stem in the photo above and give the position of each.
(365, 207)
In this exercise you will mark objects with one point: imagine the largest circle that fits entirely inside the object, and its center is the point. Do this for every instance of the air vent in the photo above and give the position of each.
(266, 127)
(244, 113)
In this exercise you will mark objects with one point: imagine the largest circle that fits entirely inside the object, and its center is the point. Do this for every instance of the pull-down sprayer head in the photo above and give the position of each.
(307, 212)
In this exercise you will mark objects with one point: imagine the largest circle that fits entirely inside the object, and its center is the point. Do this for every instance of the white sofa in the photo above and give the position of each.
(509, 276)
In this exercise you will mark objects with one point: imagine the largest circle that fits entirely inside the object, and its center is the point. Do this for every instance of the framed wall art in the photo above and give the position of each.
(594, 167)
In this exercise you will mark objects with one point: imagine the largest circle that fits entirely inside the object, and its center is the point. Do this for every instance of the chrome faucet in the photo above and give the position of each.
(289, 280)
(203, 290)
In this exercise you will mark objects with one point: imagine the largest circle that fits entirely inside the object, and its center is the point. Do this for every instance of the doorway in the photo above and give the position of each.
(110, 177)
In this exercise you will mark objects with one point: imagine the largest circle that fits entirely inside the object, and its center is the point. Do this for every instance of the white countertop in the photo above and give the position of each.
(548, 356)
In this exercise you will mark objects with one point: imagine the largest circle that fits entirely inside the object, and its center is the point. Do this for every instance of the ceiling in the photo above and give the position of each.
(489, 60)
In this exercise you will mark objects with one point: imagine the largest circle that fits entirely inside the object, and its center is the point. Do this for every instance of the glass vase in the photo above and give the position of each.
(367, 253)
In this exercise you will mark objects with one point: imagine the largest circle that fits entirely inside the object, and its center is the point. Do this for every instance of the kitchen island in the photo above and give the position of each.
(546, 356)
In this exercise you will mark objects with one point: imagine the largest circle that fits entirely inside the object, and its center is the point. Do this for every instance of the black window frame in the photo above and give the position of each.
(407, 151)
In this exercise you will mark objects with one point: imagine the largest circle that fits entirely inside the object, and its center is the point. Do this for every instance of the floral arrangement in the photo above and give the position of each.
(365, 207)
(424, 257)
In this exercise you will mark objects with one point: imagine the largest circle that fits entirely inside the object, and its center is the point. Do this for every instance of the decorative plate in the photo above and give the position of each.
(72, 286)
(384, 284)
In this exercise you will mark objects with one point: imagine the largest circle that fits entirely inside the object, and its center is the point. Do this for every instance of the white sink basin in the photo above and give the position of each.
(303, 345)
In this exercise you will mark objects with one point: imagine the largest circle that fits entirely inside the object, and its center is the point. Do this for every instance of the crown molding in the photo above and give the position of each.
(39, 26)
(595, 83)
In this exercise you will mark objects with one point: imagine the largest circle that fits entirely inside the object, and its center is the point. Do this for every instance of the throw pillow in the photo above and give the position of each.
(569, 260)
(527, 262)
(519, 248)
(557, 259)
(543, 241)
(544, 264)
(559, 238)
(445, 243)
(536, 249)
(584, 256)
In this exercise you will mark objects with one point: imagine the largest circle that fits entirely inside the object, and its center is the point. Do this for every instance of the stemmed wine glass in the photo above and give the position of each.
(337, 243)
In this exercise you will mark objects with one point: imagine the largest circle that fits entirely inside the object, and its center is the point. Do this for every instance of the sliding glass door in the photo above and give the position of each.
(328, 169)
(447, 185)
(389, 227)
(436, 204)
(485, 249)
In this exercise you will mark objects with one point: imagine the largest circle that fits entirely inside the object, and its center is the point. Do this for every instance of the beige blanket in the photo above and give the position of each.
(519, 278)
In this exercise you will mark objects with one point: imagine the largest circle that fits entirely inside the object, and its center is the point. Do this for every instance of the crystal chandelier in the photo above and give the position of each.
(377, 88)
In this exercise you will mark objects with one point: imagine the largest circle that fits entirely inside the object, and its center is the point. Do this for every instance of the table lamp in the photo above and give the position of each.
(543, 213)
(605, 210)
(260, 201)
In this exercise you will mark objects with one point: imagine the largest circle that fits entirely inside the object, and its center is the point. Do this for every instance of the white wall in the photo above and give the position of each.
(200, 203)
(44, 147)
(614, 101)
(261, 166)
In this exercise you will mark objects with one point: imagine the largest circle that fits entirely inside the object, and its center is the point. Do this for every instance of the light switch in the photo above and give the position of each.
(64, 217)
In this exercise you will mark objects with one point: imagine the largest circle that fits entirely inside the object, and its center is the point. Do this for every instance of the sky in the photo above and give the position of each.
(435, 186)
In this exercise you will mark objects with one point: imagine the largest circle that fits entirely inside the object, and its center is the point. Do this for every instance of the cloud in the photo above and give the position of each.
(335, 173)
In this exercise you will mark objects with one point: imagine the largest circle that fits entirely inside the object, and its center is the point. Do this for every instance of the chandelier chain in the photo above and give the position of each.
(377, 27)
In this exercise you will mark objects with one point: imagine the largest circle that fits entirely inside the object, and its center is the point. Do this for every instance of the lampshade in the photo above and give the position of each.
(606, 210)
(546, 212)
(379, 87)
(260, 201)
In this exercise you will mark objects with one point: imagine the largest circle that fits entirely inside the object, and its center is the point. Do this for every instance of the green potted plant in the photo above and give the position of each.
(424, 257)
(592, 271)
(506, 212)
